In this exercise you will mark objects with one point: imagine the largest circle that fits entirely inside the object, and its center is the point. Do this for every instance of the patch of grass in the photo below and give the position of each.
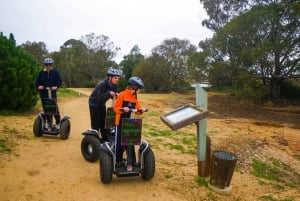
(267, 197)
(153, 113)
(3, 146)
(65, 92)
(188, 140)
(278, 171)
(177, 147)
(9, 113)
(270, 198)
(202, 181)
(155, 133)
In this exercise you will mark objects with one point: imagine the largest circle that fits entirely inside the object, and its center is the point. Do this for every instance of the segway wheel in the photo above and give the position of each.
(90, 148)
(149, 165)
(65, 129)
(37, 127)
(106, 167)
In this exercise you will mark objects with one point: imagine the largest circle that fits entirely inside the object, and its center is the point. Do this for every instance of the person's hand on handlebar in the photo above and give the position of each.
(143, 109)
(54, 88)
(126, 109)
(41, 87)
(112, 94)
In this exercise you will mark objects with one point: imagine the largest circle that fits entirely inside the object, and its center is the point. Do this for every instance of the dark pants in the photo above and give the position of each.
(130, 152)
(51, 109)
(97, 115)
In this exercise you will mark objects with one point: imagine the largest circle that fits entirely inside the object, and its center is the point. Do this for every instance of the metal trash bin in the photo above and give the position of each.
(222, 168)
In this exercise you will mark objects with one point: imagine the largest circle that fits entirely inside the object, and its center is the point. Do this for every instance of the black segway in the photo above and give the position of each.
(90, 144)
(131, 135)
(43, 124)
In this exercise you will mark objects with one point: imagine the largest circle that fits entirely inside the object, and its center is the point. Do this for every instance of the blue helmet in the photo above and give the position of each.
(136, 81)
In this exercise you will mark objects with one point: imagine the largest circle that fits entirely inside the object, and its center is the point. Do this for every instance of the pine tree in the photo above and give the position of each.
(18, 69)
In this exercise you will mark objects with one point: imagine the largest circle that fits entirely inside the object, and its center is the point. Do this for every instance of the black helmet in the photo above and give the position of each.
(136, 81)
(113, 72)
(48, 61)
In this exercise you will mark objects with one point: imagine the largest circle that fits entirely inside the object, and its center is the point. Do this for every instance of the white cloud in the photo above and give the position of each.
(126, 23)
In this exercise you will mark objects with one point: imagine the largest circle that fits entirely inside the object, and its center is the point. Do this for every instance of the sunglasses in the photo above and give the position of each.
(48, 64)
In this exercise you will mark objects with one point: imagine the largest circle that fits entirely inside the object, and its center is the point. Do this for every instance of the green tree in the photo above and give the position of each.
(72, 63)
(198, 66)
(101, 52)
(265, 41)
(176, 53)
(37, 49)
(82, 63)
(130, 61)
(18, 69)
(153, 70)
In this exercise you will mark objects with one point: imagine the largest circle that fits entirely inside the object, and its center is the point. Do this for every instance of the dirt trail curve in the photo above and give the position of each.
(48, 169)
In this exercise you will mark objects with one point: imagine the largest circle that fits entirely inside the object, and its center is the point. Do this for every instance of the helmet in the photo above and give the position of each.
(136, 81)
(48, 61)
(113, 72)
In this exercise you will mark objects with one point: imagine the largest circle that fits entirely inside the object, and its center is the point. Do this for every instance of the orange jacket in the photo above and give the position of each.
(125, 99)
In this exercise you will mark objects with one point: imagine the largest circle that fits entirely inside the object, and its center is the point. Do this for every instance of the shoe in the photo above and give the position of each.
(129, 167)
(58, 126)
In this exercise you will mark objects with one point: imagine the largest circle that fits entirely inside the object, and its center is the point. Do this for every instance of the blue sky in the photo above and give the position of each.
(125, 22)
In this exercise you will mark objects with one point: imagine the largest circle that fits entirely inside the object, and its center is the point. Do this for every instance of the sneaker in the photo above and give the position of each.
(58, 126)
(129, 167)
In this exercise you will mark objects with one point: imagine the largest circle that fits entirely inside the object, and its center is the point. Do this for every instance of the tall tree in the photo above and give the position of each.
(265, 41)
(198, 66)
(101, 51)
(72, 63)
(130, 61)
(220, 12)
(18, 69)
(176, 53)
(152, 71)
(37, 49)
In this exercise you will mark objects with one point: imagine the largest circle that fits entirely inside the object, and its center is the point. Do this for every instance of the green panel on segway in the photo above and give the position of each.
(49, 105)
(131, 131)
(110, 118)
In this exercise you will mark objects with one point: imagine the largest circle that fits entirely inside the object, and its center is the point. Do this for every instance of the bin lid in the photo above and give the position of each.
(224, 155)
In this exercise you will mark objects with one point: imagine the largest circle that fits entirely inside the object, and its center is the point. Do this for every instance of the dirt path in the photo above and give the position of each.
(47, 168)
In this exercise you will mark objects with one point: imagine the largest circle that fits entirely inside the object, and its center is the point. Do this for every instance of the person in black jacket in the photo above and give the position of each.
(103, 91)
(47, 83)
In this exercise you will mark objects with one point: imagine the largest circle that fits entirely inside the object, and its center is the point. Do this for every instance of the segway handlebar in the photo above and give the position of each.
(49, 92)
(134, 110)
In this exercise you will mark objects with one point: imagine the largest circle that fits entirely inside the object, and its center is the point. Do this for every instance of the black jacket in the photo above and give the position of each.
(101, 94)
(48, 79)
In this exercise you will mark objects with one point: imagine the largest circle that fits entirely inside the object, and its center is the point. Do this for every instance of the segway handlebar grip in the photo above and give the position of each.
(134, 110)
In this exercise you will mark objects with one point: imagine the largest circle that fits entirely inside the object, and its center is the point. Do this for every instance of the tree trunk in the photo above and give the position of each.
(276, 83)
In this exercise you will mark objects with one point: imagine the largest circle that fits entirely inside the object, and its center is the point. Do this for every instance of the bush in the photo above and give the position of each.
(18, 70)
(290, 89)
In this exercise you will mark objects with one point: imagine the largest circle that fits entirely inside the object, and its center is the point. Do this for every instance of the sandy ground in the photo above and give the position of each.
(47, 168)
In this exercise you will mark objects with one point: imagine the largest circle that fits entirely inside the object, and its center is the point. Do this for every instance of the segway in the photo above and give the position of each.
(90, 144)
(130, 135)
(43, 124)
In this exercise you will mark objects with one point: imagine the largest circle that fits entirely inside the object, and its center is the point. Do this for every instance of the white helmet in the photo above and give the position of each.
(113, 72)
(48, 61)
